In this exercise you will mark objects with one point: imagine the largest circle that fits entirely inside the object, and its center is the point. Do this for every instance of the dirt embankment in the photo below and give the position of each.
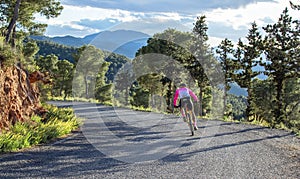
(19, 95)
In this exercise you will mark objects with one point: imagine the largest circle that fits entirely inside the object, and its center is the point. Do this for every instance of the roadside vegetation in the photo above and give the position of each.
(56, 123)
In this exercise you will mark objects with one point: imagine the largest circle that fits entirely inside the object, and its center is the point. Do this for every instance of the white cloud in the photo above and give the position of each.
(234, 23)
(76, 14)
(167, 16)
(151, 26)
(214, 41)
(243, 16)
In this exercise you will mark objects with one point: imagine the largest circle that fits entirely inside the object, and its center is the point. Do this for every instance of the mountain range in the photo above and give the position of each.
(123, 42)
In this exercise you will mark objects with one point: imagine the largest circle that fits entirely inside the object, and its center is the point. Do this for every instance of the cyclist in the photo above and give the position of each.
(185, 94)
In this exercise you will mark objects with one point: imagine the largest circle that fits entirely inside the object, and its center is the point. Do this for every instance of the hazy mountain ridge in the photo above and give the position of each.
(237, 90)
(124, 42)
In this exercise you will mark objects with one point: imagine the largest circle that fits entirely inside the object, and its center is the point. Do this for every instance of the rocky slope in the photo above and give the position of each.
(19, 95)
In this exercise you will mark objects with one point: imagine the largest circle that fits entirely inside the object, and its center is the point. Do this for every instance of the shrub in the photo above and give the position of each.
(58, 122)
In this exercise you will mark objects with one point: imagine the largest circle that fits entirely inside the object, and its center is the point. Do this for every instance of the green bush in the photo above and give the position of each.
(58, 122)
(8, 56)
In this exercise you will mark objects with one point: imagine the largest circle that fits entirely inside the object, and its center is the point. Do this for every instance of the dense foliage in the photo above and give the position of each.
(61, 51)
(18, 16)
(236, 107)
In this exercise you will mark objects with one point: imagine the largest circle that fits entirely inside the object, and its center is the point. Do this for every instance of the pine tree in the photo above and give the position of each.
(30, 49)
(295, 6)
(122, 83)
(263, 91)
(151, 83)
(47, 64)
(88, 62)
(248, 56)
(140, 97)
(225, 51)
(201, 60)
(281, 47)
(103, 91)
(63, 77)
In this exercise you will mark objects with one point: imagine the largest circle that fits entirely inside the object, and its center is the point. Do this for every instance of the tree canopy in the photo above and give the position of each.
(18, 16)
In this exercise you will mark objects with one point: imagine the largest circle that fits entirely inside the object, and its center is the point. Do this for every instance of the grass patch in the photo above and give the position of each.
(58, 122)
(60, 98)
(140, 108)
(79, 100)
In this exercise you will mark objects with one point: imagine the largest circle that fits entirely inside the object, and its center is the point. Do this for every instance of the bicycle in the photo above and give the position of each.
(188, 111)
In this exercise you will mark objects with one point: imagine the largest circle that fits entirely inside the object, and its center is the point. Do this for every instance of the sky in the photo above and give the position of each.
(225, 18)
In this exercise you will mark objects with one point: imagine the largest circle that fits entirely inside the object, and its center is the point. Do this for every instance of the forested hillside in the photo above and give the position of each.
(63, 52)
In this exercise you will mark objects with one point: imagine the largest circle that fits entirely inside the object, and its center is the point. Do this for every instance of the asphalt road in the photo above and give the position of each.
(121, 143)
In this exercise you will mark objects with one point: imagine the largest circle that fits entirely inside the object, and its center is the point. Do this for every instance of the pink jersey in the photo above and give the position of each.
(182, 93)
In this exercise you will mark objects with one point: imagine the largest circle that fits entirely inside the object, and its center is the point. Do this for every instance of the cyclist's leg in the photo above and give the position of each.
(194, 117)
(182, 107)
(183, 114)
(194, 120)
(191, 107)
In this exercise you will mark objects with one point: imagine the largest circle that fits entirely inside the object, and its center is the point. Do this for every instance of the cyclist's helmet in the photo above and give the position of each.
(182, 85)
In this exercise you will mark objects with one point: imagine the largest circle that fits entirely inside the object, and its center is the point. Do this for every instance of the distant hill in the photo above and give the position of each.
(123, 42)
(237, 90)
(66, 40)
(130, 48)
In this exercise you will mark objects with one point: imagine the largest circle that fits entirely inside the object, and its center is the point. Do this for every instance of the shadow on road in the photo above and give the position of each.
(185, 156)
(72, 158)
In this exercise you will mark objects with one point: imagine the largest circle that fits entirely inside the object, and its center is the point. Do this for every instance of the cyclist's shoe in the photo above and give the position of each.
(195, 128)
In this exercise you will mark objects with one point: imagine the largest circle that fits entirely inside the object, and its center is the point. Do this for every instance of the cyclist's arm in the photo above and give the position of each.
(193, 95)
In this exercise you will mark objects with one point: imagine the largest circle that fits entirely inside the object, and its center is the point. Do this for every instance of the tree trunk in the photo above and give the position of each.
(60, 90)
(279, 114)
(13, 21)
(126, 95)
(86, 87)
(225, 103)
(169, 94)
(200, 102)
(65, 96)
(249, 109)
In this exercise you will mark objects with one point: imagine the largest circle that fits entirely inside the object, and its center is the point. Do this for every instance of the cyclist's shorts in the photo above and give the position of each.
(188, 101)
